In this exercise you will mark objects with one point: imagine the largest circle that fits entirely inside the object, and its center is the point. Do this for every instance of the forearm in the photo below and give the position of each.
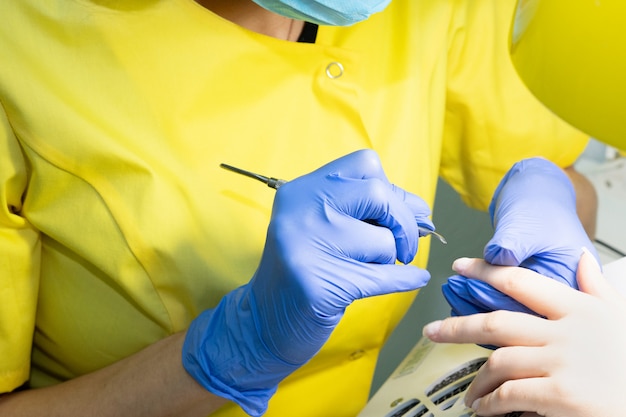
(151, 383)
(586, 200)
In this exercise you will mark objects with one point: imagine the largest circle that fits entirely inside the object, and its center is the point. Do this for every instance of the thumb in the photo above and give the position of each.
(380, 279)
(589, 276)
(506, 248)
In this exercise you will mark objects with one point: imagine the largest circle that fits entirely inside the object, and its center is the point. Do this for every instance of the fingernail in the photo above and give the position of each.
(595, 261)
(475, 404)
(460, 264)
(431, 329)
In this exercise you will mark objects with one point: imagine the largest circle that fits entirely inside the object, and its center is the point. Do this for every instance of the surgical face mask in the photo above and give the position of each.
(325, 12)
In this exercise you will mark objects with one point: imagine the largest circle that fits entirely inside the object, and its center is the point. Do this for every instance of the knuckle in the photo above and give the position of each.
(563, 390)
(369, 163)
(492, 322)
(377, 190)
(512, 281)
(449, 325)
(495, 361)
(453, 328)
(370, 158)
(504, 393)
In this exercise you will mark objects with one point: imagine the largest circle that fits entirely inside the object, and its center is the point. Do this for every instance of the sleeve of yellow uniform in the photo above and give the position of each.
(19, 265)
(492, 120)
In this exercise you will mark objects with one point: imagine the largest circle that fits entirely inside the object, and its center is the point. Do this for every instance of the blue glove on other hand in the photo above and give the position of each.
(536, 226)
(334, 237)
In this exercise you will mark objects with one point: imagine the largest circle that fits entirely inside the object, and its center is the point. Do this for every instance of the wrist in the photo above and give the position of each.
(224, 353)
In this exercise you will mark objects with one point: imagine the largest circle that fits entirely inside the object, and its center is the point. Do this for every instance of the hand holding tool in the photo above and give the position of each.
(275, 183)
(319, 257)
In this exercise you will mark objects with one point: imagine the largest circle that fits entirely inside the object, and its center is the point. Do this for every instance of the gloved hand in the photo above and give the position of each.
(536, 226)
(334, 237)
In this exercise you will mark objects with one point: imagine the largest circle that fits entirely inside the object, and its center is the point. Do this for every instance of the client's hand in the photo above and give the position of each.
(571, 364)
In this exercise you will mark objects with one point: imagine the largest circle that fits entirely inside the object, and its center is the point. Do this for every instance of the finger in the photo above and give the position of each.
(470, 296)
(545, 296)
(490, 299)
(374, 244)
(531, 394)
(383, 279)
(400, 278)
(509, 363)
(374, 201)
(366, 165)
(590, 278)
(500, 328)
(592, 281)
(361, 164)
(506, 247)
(420, 209)
(458, 298)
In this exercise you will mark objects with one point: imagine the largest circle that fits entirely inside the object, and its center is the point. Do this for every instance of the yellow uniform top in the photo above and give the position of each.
(117, 226)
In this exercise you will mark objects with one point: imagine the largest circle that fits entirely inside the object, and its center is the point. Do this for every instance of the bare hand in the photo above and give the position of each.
(570, 364)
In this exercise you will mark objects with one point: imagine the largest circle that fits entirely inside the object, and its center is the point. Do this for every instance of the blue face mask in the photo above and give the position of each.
(325, 12)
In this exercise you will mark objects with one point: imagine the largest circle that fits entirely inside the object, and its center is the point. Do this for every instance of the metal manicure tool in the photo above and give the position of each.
(276, 183)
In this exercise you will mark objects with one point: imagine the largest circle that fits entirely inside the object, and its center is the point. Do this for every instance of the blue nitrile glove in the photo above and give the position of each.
(536, 226)
(334, 237)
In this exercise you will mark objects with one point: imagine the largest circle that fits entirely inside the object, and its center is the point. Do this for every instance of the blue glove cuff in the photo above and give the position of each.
(197, 360)
(223, 353)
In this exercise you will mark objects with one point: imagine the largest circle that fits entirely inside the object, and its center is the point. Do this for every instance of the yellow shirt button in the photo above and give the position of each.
(334, 70)
(357, 354)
